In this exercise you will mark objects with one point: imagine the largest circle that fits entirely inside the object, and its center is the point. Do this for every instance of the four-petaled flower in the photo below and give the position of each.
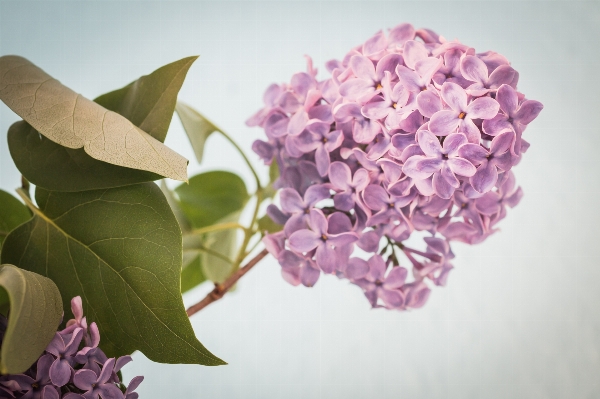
(460, 117)
(319, 237)
(441, 162)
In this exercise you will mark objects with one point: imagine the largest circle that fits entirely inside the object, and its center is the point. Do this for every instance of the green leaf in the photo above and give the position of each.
(149, 102)
(197, 127)
(54, 167)
(73, 121)
(265, 223)
(192, 274)
(12, 214)
(224, 242)
(211, 196)
(120, 249)
(183, 221)
(35, 313)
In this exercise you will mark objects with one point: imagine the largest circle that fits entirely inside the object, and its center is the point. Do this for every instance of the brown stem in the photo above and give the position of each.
(220, 289)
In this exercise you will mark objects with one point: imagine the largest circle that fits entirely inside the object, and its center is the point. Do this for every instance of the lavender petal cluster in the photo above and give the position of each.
(412, 133)
(71, 367)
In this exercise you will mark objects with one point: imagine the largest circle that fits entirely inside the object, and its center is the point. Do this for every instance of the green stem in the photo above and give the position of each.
(237, 147)
(249, 232)
(218, 227)
(213, 253)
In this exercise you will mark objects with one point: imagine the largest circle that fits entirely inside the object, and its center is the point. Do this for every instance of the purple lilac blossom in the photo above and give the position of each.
(411, 134)
(71, 367)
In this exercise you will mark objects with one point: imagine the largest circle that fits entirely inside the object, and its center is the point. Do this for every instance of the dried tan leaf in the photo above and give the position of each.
(73, 121)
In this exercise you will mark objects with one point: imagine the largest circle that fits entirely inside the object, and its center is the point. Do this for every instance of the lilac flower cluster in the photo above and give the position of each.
(72, 367)
(411, 133)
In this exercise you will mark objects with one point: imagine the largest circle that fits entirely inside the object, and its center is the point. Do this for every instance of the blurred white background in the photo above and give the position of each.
(520, 316)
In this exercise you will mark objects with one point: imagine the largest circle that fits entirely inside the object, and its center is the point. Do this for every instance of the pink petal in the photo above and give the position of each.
(497, 125)
(387, 64)
(483, 108)
(428, 103)
(304, 240)
(444, 122)
(375, 197)
(447, 173)
(475, 153)
(514, 199)
(340, 175)
(302, 82)
(441, 187)
(315, 194)
(318, 222)
(377, 109)
(473, 69)
(413, 52)
(375, 45)
(400, 34)
(427, 67)
(391, 169)
(291, 201)
(395, 278)
(508, 99)
(455, 96)
(419, 167)
(322, 160)
(361, 179)
(461, 167)
(363, 68)
(289, 102)
(425, 187)
(298, 122)
(376, 268)
(453, 142)
(429, 143)
(502, 142)
(469, 129)
(326, 258)
(391, 298)
(400, 94)
(346, 112)
(485, 178)
(488, 204)
(84, 379)
(309, 276)
(529, 110)
(343, 239)
(365, 130)
(357, 268)
(356, 88)
(504, 74)
(410, 79)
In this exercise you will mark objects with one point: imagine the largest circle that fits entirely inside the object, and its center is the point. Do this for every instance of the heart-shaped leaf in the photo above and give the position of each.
(197, 127)
(35, 313)
(267, 224)
(120, 249)
(211, 196)
(54, 167)
(73, 121)
(192, 274)
(149, 102)
(12, 214)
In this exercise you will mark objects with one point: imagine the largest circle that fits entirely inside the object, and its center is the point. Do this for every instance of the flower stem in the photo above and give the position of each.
(220, 289)
(218, 227)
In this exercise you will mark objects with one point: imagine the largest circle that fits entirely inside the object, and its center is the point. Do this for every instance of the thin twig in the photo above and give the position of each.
(220, 289)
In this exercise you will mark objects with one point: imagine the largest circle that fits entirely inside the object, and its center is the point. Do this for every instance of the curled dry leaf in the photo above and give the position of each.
(73, 121)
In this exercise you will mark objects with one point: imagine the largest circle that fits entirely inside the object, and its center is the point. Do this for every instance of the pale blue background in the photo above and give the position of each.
(520, 317)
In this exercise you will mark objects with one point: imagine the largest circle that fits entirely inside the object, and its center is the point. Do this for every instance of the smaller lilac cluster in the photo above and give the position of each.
(72, 367)
(411, 133)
